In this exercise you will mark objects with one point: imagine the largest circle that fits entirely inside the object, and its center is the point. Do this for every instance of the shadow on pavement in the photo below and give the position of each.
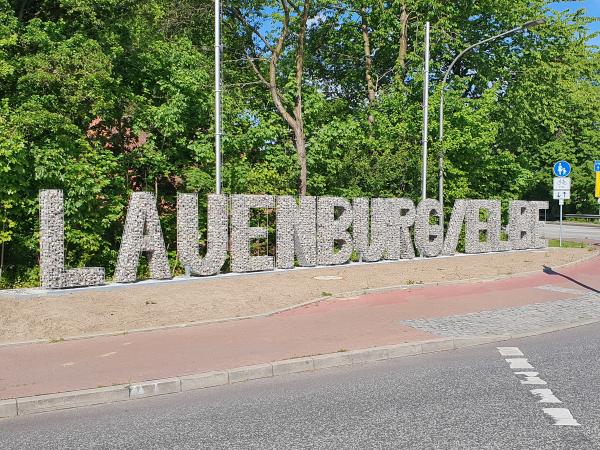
(551, 271)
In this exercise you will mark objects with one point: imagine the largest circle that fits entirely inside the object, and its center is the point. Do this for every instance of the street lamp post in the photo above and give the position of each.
(525, 26)
(218, 132)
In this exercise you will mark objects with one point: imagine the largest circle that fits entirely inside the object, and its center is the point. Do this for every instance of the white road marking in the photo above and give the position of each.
(127, 343)
(561, 416)
(327, 277)
(564, 290)
(530, 378)
(546, 396)
(510, 351)
(68, 364)
(518, 363)
(108, 354)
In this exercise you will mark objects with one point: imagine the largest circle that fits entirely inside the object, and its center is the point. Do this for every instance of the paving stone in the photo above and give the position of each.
(513, 321)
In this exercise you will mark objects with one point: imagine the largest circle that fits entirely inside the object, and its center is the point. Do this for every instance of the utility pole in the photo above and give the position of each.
(425, 115)
(218, 131)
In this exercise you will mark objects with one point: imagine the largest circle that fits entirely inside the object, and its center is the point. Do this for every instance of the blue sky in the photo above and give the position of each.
(592, 8)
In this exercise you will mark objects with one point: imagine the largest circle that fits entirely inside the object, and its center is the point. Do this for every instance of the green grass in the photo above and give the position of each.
(565, 244)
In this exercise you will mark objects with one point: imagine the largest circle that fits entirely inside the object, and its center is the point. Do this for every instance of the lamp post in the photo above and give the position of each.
(425, 115)
(218, 131)
(525, 26)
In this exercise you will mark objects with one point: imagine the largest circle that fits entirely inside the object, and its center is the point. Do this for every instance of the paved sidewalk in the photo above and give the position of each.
(409, 315)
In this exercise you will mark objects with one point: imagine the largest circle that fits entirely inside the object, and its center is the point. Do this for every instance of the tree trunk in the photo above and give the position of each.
(299, 135)
(294, 118)
(403, 45)
(300, 142)
(371, 91)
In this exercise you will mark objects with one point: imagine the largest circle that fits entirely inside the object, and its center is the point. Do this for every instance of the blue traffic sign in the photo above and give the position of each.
(562, 169)
(596, 166)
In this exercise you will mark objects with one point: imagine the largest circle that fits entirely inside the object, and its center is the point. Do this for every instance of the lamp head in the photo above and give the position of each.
(533, 23)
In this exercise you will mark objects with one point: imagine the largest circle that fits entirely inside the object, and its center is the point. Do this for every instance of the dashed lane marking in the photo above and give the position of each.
(518, 363)
(510, 351)
(530, 378)
(546, 396)
(108, 354)
(561, 416)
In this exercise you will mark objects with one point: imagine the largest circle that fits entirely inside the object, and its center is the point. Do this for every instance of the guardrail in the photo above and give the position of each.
(582, 216)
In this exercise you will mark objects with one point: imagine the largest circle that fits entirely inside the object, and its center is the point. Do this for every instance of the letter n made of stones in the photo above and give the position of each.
(296, 231)
(142, 234)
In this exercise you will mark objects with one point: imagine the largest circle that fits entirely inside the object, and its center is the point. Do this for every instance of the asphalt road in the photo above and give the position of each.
(573, 232)
(467, 398)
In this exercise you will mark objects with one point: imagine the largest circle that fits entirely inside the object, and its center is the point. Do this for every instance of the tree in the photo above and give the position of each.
(286, 96)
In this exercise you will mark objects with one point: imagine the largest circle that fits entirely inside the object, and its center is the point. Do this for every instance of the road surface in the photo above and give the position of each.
(471, 398)
(572, 232)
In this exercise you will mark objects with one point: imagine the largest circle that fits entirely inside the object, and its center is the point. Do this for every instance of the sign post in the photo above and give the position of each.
(597, 170)
(562, 189)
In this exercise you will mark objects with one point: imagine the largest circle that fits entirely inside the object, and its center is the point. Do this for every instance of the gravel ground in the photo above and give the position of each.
(130, 307)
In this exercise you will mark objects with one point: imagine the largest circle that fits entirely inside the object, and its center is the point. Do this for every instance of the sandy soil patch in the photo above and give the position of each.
(131, 307)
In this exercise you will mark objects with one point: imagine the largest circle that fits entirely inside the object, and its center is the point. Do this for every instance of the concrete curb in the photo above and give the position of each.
(89, 397)
(336, 296)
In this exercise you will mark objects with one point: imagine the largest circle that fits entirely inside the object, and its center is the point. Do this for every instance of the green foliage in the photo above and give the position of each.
(104, 97)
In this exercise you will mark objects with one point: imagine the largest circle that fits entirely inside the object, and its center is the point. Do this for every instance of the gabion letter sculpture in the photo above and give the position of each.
(490, 227)
(296, 231)
(309, 231)
(429, 238)
(188, 234)
(537, 239)
(401, 217)
(142, 233)
(242, 233)
(391, 219)
(331, 230)
(52, 247)
(519, 225)
(454, 227)
(369, 242)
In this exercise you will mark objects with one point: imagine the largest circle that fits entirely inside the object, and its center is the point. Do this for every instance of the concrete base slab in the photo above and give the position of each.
(368, 355)
(155, 387)
(204, 380)
(250, 373)
(8, 408)
(398, 351)
(437, 345)
(332, 360)
(87, 397)
(292, 366)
